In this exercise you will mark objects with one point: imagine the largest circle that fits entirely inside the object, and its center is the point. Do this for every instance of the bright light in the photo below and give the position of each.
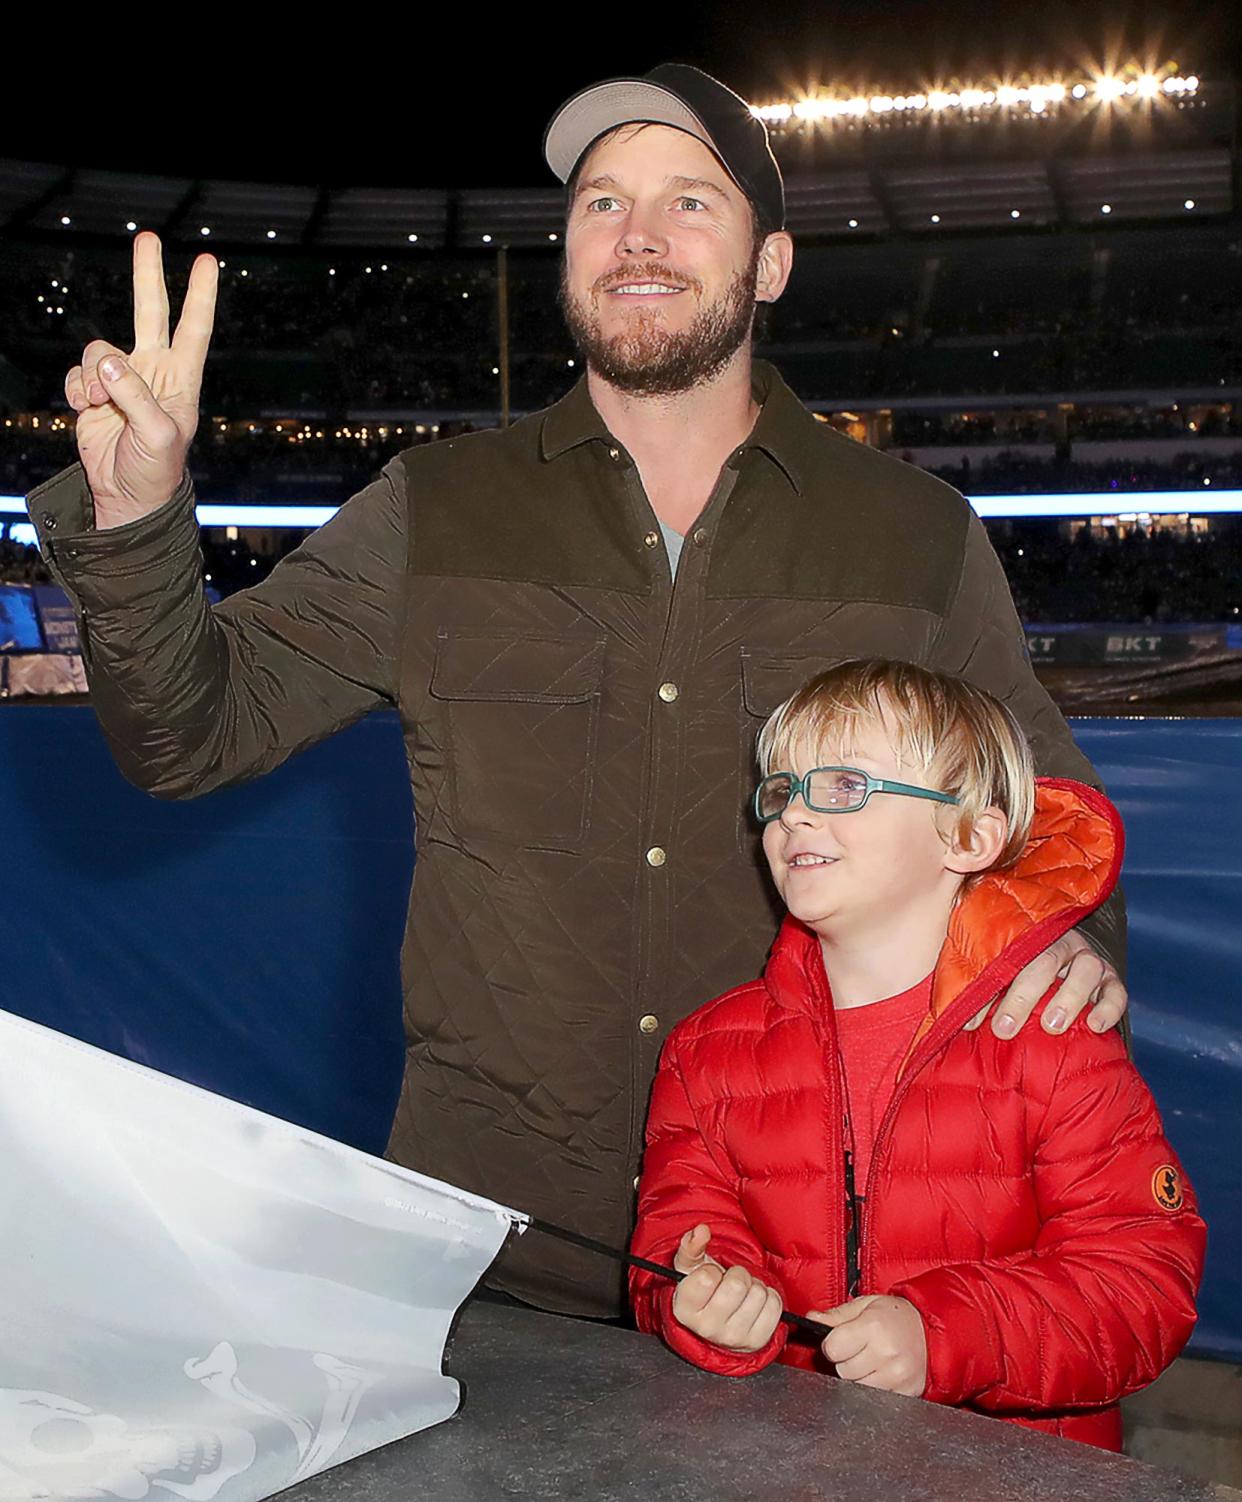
(935, 218)
(64, 219)
(413, 239)
(853, 223)
(1036, 98)
(1015, 213)
(331, 270)
(554, 237)
(1106, 208)
(245, 273)
(206, 230)
(487, 239)
(1189, 204)
(271, 234)
(130, 225)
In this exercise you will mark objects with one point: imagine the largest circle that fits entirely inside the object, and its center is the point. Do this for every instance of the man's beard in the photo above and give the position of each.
(650, 360)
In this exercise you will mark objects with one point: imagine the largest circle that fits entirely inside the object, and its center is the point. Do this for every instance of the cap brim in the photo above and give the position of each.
(619, 101)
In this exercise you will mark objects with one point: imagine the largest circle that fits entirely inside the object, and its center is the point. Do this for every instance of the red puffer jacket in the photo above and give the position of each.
(1022, 1194)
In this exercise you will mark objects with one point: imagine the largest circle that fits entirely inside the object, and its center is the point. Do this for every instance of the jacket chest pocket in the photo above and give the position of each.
(767, 681)
(521, 715)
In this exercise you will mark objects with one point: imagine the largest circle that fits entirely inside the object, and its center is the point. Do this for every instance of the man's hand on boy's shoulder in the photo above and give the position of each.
(877, 1341)
(1087, 979)
(730, 1308)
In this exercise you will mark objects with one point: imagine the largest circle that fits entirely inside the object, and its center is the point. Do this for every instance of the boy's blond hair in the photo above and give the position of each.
(959, 736)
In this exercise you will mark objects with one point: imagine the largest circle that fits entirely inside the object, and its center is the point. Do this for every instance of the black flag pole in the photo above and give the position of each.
(797, 1322)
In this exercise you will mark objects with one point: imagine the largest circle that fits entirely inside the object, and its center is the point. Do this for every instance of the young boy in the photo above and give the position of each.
(1000, 1226)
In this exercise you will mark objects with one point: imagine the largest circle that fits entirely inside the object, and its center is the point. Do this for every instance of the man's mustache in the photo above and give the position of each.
(646, 271)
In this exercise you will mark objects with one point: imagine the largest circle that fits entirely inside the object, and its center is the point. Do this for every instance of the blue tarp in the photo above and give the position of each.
(249, 941)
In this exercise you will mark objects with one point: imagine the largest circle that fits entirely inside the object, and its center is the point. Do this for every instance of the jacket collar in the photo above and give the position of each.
(782, 431)
(1069, 866)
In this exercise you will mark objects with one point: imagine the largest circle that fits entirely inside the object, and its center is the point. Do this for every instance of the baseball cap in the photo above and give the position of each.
(688, 99)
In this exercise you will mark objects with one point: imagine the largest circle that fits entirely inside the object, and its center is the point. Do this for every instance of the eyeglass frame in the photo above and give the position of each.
(798, 788)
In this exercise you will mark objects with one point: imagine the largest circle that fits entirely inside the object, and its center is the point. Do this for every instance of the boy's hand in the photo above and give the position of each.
(731, 1309)
(1086, 977)
(877, 1341)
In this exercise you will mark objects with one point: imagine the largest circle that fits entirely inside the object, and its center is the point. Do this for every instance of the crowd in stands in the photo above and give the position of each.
(1052, 312)
(1144, 576)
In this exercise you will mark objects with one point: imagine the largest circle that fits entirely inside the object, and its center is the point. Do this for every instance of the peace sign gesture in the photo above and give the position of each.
(138, 412)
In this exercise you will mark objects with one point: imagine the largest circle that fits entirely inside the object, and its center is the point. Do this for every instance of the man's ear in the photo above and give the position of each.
(968, 851)
(775, 264)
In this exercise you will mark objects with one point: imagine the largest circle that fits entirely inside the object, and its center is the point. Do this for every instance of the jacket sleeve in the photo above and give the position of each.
(192, 697)
(1105, 1300)
(682, 1185)
(982, 639)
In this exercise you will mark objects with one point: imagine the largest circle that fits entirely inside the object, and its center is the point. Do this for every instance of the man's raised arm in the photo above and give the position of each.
(189, 697)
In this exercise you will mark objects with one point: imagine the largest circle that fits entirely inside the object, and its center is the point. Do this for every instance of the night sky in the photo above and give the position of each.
(393, 97)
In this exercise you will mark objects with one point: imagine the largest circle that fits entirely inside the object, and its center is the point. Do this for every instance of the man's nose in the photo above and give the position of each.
(641, 235)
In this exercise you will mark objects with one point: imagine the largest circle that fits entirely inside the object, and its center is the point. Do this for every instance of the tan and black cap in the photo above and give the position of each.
(688, 99)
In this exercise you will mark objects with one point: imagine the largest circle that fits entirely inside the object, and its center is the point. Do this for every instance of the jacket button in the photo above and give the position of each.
(699, 536)
(668, 692)
(636, 1181)
(651, 539)
(49, 521)
(647, 1024)
(657, 855)
(614, 453)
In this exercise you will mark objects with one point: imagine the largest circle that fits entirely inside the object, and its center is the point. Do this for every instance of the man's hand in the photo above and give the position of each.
(137, 413)
(1086, 979)
(731, 1309)
(877, 1341)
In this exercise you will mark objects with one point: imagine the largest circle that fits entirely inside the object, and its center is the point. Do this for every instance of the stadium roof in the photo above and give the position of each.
(58, 200)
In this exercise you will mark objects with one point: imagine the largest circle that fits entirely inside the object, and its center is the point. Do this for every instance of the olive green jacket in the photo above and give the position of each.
(580, 732)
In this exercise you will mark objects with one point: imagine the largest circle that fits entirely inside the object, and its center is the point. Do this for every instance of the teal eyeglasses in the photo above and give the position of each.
(831, 790)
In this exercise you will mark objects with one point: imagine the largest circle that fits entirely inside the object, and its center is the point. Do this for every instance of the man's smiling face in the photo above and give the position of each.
(661, 261)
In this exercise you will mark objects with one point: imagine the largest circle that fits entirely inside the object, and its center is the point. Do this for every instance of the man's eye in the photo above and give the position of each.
(690, 203)
(601, 205)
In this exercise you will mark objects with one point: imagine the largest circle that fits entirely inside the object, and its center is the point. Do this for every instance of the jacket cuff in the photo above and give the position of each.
(963, 1347)
(705, 1353)
(115, 567)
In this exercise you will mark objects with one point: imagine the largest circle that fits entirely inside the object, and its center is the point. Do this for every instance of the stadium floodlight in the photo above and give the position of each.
(853, 223)
(413, 239)
(205, 230)
(130, 225)
(1106, 208)
(65, 219)
(1015, 213)
(935, 218)
(975, 101)
(271, 234)
(1189, 204)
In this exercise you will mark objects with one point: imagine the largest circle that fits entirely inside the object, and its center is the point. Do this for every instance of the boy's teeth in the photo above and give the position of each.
(811, 860)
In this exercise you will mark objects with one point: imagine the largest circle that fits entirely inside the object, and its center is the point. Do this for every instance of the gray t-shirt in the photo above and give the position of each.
(673, 542)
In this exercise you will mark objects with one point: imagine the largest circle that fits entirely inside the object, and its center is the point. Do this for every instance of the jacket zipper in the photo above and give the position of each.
(853, 1220)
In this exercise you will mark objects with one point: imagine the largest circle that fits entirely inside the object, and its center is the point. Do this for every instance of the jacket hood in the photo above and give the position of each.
(1001, 922)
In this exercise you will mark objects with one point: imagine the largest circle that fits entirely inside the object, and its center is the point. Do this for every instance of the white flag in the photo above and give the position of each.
(201, 1301)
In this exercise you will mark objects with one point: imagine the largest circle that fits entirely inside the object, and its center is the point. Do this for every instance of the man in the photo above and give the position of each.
(583, 621)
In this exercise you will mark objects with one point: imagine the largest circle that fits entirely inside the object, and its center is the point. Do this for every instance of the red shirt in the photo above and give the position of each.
(874, 1040)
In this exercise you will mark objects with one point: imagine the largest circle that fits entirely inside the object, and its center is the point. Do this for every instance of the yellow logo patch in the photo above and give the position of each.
(1166, 1187)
